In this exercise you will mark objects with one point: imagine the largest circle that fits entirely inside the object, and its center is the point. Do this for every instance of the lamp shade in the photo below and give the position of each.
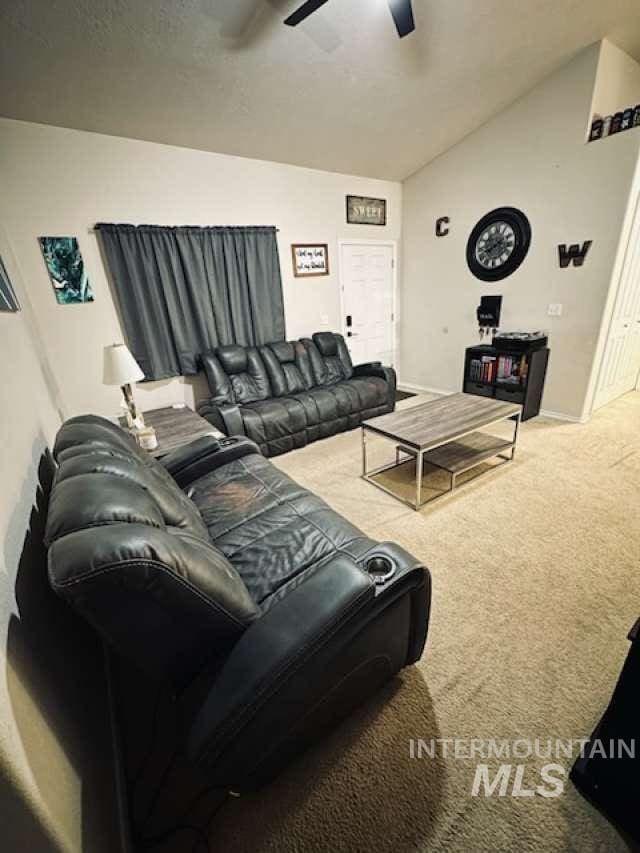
(120, 367)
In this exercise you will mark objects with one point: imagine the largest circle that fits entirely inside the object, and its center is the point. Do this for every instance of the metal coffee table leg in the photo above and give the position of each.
(517, 419)
(364, 452)
(419, 463)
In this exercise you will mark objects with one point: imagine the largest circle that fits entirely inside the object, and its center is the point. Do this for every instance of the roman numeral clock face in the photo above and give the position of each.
(495, 245)
(498, 244)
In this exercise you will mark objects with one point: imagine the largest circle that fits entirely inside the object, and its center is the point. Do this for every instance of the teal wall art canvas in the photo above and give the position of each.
(8, 298)
(66, 270)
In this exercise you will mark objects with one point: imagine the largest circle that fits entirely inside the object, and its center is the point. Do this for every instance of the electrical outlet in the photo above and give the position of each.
(324, 321)
(554, 309)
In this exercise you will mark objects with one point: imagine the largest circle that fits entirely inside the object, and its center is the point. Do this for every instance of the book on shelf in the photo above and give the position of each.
(512, 368)
(483, 369)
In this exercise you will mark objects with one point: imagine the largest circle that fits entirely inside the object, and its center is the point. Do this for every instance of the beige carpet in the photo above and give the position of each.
(536, 583)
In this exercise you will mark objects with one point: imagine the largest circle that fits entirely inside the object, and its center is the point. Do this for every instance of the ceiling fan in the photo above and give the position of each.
(401, 12)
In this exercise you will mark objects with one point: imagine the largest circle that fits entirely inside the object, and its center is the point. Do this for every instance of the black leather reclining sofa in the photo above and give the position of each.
(287, 394)
(214, 568)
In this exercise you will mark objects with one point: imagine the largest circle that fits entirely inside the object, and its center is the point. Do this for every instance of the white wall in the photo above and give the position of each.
(56, 789)
(531, 156)
(61, 182)
(617, 83)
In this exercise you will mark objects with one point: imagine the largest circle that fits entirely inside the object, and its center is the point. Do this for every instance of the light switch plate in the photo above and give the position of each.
(554, 309)
(324, 321)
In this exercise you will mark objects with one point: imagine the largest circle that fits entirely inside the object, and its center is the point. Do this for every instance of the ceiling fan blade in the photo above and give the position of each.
(303, 12)
(402, 16)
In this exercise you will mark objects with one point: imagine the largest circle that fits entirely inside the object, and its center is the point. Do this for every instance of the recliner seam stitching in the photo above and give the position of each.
(287, 501)
(181, 581)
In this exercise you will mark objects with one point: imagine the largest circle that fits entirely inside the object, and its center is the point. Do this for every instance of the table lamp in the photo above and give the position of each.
(121, 368)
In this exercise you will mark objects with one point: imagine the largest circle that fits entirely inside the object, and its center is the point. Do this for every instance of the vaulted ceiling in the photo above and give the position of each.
(341, 92)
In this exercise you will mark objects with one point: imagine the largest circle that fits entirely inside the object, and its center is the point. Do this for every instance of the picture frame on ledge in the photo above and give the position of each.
(310, 259)
(8, 299)
(362, 210)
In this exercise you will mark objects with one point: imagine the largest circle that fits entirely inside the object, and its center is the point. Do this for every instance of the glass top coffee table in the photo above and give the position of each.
(445, 433)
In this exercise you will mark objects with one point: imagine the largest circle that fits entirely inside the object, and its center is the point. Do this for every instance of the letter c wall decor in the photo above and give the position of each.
(442, 226)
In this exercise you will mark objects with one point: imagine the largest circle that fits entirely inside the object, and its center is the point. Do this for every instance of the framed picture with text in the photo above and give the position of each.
(310, 259)
(366, 211)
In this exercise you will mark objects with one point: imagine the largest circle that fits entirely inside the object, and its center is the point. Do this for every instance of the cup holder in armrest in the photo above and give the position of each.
(380, 568)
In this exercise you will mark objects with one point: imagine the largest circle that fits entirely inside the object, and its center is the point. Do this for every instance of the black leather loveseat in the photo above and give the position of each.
(286, 394)
(214, 568)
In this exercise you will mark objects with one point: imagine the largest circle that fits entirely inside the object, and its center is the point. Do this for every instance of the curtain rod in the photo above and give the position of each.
(93, 229)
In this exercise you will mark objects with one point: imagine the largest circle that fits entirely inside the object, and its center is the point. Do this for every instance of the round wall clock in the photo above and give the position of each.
(498, 244)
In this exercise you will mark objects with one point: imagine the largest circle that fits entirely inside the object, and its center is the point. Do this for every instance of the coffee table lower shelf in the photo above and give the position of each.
(456, 457)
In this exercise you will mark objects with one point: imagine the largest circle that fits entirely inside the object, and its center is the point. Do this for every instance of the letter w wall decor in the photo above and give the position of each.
(574, 254)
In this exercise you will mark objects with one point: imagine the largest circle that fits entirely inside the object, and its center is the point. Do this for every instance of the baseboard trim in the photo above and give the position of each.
(559, 416)
(544, 413)
(422, 389)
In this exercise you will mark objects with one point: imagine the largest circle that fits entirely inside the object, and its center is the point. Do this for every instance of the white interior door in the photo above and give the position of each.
(621, 359)
(366, 272)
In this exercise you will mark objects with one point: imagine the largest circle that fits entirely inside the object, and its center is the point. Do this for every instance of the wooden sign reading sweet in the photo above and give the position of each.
(366, 211)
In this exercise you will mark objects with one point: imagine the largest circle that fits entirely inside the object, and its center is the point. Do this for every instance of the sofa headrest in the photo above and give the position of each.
(90, 501)
(283, 351)
(176, 510)
(326, 343)
(219, 385)
(91, 429)
(233, 358)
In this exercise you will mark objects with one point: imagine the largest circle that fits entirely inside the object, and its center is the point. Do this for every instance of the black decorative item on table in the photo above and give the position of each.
(488, 314)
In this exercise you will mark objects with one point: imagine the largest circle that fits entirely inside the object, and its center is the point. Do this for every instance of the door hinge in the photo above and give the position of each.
(393, 263)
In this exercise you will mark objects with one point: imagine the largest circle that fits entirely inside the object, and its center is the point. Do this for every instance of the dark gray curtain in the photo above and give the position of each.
(186, 289)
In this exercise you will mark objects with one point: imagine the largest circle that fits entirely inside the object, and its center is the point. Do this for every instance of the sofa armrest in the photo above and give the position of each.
(364, 368)
(204, 455)
(411, 578)
(281, 652)
(375, 368)
(224, 416)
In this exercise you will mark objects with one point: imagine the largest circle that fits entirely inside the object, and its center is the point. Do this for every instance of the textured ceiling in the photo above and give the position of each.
(343, 93)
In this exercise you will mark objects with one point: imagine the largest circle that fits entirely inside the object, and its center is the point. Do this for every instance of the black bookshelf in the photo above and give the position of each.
(504, 374)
